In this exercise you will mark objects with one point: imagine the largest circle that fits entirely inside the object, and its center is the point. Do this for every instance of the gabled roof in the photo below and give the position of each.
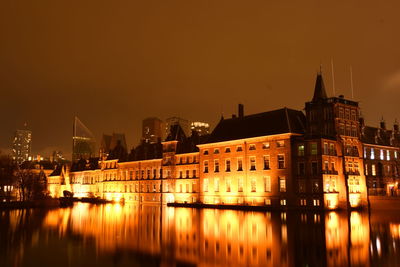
(319, 90)
(268, 123)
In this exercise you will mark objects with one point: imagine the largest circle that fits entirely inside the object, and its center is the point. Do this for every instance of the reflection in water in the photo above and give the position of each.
(131, 235)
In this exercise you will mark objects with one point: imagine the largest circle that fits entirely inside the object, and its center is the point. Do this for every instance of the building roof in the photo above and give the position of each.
(319, 90)
(378, 136)
(268, 123)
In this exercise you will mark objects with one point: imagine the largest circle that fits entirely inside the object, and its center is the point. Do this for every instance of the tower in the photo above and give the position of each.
(83, 141)
(22, 145)
(333, 130)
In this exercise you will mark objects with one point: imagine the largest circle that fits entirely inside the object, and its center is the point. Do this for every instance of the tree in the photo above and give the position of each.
(7, 179)
(31, 185)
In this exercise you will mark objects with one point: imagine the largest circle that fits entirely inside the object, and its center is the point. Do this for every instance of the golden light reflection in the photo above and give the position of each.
(212, 237)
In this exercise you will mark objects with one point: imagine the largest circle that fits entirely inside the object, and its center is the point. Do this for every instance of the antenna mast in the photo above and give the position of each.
(333, 79)
(351, 82)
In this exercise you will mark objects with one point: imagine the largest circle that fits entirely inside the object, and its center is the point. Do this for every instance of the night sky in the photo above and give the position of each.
(113, 63)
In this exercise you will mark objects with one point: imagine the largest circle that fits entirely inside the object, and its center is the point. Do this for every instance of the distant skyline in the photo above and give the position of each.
(114, 64)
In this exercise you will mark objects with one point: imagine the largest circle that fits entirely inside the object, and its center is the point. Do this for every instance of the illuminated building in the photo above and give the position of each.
(329, 163)
(152, 130)
(83, 141)
(247, 159)
(202, 128)
(22, 145)
(381, 158)
(278, 159)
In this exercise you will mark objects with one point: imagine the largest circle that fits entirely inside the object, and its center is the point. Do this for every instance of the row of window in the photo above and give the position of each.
(147, 188)
(265, 187)
(372, 153)
(265, 145)
(381, 170)
(186, 160)
(239, 164)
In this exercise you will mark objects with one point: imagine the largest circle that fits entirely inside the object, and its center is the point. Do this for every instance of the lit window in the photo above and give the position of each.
(265, 145)
(240, 185)
(316, 202)
(239, 165)
(206, 166)
(253, 185)
(326, 149)
(228, 165)
(216, 165)
(228, 185)
(381, 154)
(280, 143)
(387, 155)
(281, 161)
(332, 149)
(252, 163)
(267, 184)
(300, 150)
(373, 170)
(314, 148)
(283, 202)
(216, 184)
(372, 153)
(266, 162)
(282, 184)
(205, 185)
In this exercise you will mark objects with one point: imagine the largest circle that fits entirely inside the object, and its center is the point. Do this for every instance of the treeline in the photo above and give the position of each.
(21, 184)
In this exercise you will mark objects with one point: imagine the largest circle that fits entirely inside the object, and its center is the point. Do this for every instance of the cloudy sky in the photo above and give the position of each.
(113, 63)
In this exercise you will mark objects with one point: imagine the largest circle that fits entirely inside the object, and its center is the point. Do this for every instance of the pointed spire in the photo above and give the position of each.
(319, 91)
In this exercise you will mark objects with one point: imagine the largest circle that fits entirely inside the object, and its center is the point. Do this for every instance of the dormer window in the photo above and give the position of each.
(216, 151)
(252, 147)
(280, 143)
(239, 149)
(227, 150)
(265, 145)
(205, 152)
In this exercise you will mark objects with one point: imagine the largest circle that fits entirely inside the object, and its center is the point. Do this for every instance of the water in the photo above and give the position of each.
(129, 235)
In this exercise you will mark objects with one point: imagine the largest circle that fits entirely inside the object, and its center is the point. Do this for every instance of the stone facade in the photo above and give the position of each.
(281, 158)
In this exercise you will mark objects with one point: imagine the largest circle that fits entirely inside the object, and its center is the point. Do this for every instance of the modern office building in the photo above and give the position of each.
(83, 141)
(22, 145)
(202, 128)
(152, 130)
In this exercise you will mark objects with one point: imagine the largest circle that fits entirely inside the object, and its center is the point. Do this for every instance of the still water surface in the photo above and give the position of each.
(130, 235)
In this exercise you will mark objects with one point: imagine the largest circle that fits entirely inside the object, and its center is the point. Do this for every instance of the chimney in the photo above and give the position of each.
(241, 110)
